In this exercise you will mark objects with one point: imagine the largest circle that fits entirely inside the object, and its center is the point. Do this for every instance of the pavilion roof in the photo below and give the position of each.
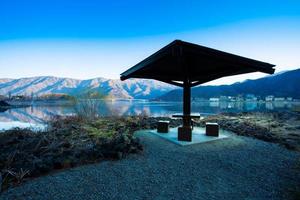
(180, 61)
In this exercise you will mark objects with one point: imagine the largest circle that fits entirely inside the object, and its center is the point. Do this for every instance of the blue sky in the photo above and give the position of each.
(86, 39)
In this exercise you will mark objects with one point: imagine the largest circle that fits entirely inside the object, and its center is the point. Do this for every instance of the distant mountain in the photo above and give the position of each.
(44, 85)
(282, 84)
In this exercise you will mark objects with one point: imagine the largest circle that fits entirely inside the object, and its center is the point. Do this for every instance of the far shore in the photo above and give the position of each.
(71, 99)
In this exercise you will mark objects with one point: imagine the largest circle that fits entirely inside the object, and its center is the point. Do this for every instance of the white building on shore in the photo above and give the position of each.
(214, 99)
(279, 99)
(269, 98)
(251, 97)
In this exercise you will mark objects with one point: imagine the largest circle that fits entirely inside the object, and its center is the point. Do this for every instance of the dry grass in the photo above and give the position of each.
(67, 142)
(278, 127)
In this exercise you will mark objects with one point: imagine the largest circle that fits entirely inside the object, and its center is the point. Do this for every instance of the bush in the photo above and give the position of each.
(87, 105)
(67, 142)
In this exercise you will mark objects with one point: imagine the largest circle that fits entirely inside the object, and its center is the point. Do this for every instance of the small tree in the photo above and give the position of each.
(87, 105)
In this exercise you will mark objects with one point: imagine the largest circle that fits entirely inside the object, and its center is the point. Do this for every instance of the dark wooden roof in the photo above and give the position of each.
(179, 61)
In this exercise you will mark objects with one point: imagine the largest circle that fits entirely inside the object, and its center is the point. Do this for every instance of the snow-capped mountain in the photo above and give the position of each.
(42, 85)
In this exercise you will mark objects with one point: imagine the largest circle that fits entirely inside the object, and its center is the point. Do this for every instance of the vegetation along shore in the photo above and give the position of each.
(72, 141)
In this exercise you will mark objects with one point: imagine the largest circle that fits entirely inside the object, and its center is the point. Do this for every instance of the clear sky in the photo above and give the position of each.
(87, 39)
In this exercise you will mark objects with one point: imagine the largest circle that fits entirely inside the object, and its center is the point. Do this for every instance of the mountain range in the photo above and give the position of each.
(284, 84)
(44, 85)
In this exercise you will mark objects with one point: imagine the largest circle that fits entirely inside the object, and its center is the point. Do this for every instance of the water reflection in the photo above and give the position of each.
(35, 115)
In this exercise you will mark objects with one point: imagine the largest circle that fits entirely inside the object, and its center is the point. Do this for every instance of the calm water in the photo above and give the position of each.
(35, 116)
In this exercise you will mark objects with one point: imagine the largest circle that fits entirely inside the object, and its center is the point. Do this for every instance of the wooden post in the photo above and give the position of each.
(186, 103)
(185, 132)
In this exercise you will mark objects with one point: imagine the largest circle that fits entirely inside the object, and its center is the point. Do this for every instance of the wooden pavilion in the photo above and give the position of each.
(187, 65)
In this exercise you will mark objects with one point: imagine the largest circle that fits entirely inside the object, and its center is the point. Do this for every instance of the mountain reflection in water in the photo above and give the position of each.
(38, 115)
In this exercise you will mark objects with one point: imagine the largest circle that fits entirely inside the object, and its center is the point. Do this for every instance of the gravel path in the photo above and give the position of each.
(233, 168)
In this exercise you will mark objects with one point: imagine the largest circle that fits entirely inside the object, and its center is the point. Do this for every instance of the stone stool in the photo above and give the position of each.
(212, 129)
(163, 126)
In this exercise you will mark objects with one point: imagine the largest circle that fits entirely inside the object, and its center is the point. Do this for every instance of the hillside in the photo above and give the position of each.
(281, 84)
(284, 84)
(38, 86)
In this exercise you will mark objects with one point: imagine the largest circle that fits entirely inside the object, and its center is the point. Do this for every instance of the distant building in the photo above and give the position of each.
(251, 97)
(18, 97)
(269, 98)
(239, 98)
(223, 98)
(230, 98)
(279, 99)
(214, 99)
(289, 98)
(199, 99)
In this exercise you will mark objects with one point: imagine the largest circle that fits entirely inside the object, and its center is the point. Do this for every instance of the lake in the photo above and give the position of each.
(36, 115)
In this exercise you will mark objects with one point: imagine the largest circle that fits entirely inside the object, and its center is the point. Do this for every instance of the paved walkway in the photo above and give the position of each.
(233, 168)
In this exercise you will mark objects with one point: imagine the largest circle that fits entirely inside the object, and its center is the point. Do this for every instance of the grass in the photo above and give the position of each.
(278, 127)
(78, 140)
(67, 142)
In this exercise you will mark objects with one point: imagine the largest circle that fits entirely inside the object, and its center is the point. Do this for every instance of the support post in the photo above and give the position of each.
(186, 103)
(185, 132)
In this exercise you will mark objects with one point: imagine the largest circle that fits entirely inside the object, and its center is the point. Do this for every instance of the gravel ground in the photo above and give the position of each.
(233, 168)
